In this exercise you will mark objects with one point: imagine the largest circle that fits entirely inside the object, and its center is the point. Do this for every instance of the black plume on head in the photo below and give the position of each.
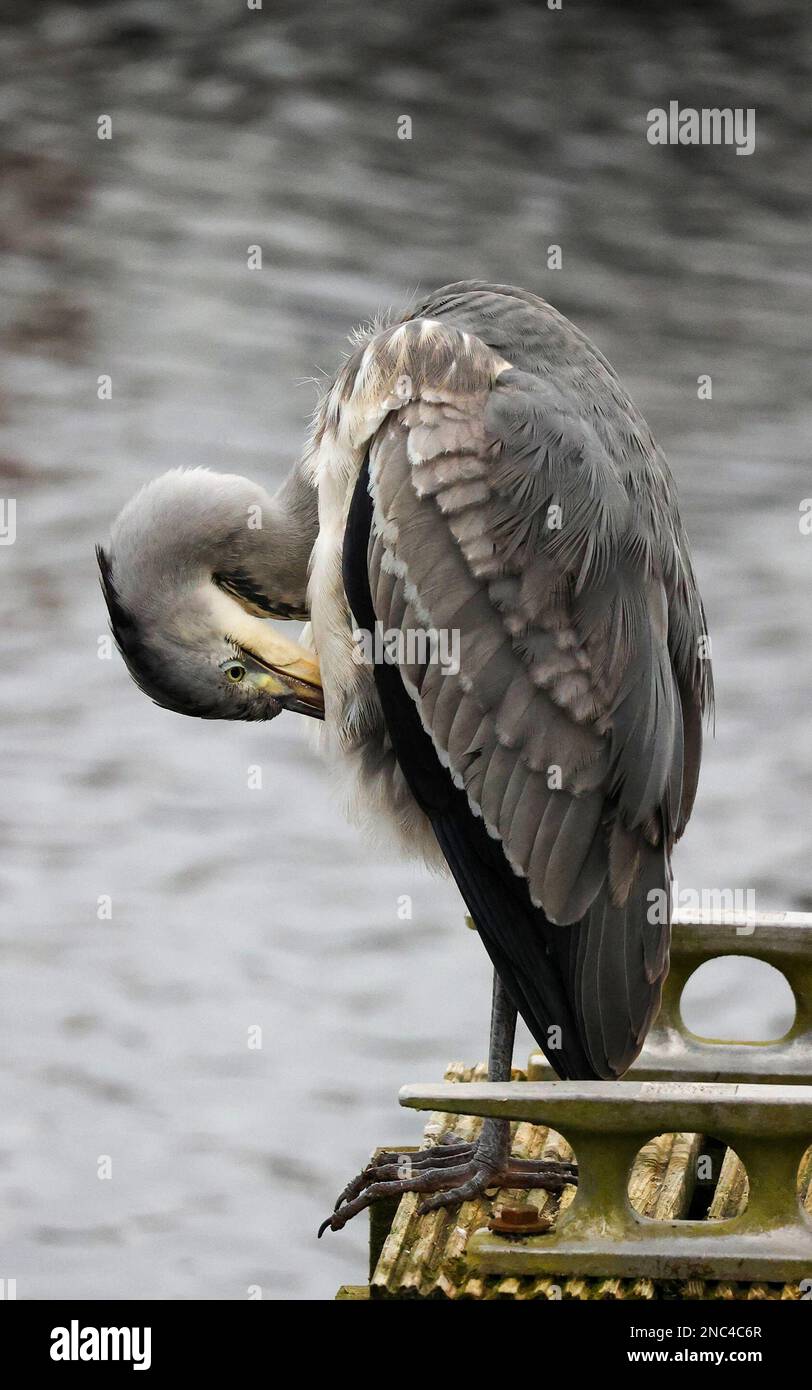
(152, 671)
(122, 624)
(130, 641)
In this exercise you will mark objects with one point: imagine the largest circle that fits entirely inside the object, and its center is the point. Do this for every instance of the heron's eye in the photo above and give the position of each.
(235, 672)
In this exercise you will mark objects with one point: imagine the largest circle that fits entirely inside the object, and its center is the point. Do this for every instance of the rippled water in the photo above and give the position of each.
(234, 907)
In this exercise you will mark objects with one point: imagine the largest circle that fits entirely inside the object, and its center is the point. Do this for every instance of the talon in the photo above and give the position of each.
(451, 1172)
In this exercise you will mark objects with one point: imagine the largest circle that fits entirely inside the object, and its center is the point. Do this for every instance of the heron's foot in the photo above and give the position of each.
(449, 1173)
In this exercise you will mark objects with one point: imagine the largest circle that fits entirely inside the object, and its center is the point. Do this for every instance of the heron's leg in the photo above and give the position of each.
(493, 1144)
(456, 1171)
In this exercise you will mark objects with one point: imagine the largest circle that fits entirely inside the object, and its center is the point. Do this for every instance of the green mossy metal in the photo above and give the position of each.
(770, 1128)
(673, 1052)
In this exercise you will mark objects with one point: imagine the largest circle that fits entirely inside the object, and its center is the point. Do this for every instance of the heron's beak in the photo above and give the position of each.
(290, 674)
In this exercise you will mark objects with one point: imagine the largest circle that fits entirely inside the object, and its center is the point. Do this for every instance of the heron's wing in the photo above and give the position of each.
(530, 954)
(502, 523)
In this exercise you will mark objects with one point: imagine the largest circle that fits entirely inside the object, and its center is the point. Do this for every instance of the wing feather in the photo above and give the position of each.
(545, 537)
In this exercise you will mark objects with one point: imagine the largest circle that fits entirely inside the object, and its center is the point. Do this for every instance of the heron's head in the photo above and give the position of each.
(193, 562)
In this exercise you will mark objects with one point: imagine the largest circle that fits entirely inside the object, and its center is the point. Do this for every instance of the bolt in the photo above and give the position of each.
(520, 1221)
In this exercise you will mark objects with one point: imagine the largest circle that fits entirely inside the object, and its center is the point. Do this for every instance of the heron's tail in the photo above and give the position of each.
(587, 991)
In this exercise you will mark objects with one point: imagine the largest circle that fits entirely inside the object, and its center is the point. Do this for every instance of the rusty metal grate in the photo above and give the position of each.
(427, 1257)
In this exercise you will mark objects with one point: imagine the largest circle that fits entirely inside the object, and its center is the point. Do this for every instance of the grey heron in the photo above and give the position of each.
(475, 468)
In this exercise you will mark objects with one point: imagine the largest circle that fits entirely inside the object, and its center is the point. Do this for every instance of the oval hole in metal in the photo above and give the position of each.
(687, 1177)
(738, 999)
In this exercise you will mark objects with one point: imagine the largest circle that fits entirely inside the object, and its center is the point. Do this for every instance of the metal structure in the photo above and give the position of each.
(755, 1097)
(673, 1053)
(607, 1123)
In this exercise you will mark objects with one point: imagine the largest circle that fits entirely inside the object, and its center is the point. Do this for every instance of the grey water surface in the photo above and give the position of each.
(233, 907)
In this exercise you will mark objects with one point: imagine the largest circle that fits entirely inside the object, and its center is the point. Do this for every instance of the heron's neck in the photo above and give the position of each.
(263, 561)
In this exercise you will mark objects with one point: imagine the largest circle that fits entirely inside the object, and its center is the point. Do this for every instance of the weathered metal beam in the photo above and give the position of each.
(606, 1123)
(672, 1051)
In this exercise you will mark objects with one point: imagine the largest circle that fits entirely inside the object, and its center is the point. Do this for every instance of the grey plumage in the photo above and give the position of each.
(574, 722)
(519, 499)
